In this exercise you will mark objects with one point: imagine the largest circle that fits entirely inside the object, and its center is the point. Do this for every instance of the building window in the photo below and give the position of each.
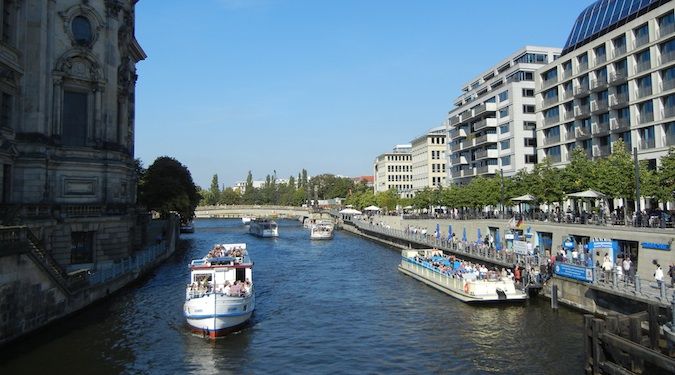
(528, 93)
(550, 76)
(530, 159)
(8, 22)
(81, 28)
(666, 24)
(643, 60)
(6, 183)
(667, 51)
(583, 61)
(506, 160)
(505, 144)
(641, 35)
(504, 112)
(531, 58)
(75, 118)
(503, 96)
(529, 125)
(504, 128)
(619, 44)
(528, 108)
(530, 142)
(6, 106)
(600, 54)
(646, 111)
(647, 138)
(82, 247)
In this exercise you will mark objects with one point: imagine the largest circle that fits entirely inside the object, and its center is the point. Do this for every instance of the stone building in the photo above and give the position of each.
(67, 82)
(393, 170)
(428, 159)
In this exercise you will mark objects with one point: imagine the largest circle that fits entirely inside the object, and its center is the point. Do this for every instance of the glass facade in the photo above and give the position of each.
(600, 17)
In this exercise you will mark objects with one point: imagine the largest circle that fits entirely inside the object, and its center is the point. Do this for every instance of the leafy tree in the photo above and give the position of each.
(168, 186)
(387, 200)
(580, 174)
(229, 196)
(249, 195)
(666, 175)
(213, 196)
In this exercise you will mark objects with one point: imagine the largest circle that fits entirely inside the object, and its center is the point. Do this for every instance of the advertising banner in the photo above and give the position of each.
(573, 271)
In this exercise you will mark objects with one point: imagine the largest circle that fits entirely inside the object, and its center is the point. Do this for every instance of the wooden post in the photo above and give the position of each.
(635, 335)
(654, 327)
(554, 296)
(598, 325)
(588, 343)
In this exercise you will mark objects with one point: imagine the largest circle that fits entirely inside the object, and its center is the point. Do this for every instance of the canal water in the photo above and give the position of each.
(323, 307)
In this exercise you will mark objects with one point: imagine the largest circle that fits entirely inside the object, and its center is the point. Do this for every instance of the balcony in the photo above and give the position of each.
(454, 120)
(619, 51)
(582, 111)
(550, 101)
(645, 117)
(570, 135)
(618, 100)
(647, 144)
(666, 29)
(601, 128)
(567, 94)
(455, 146)
(668, 84)
(458, 133)
(548, 83)
(601, 151)
(486, 138)
(619, 124)
(467, 115)
(568, 115)
(486, 153)
(567, 73)
(483, 108)
(643, 65)
(487, 169)
(551, 140)
(670, 140)
(553, 158)
(598, 84)
(456, 174)
(581, 91)
(667, 57)
(583, 66)
(644, 91)
(599, 106)
(641, 40)
(618, 77)
(668, 112)
(484, 123)
(551, 120)
(582, 132)
(599, 59)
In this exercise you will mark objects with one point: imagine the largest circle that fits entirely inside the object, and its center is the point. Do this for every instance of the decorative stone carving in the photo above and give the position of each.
(80, 65)
(91, 14)
(113, 8)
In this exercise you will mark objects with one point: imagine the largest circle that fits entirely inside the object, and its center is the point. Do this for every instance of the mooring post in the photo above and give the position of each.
(654, 328)
(637, 285)
(635, 335)
(554, 296)
(597, 348)
(588, 342)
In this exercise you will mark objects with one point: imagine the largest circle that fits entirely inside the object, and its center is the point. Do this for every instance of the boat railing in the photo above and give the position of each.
(199, 293)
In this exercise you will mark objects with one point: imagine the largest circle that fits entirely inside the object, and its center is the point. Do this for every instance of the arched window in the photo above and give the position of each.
(81, 28)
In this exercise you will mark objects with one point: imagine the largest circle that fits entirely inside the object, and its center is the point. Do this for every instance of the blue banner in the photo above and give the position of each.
(573, 272)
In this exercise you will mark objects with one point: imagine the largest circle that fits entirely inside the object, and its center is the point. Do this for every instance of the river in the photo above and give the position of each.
(322, 307)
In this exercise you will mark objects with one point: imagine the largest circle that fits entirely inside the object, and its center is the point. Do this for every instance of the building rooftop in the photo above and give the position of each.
(603, 16)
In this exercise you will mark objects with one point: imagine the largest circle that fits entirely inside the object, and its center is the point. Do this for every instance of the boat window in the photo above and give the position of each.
(241, 274)
(203, 278)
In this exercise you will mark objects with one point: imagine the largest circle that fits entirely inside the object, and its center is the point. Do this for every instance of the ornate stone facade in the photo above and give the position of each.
(67, 82)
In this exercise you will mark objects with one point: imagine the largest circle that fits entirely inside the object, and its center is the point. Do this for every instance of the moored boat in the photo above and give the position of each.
(465, 282)
(264, 228)
(321, 231)
(220, 297)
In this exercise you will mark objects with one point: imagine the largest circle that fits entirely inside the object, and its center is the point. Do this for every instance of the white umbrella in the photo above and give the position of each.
(371, 208)
(590, 193)
(408, 207)
(524, 198)
(350, 211)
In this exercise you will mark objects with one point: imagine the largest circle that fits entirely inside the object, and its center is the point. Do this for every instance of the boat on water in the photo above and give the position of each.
(246, 220)
(264, 228)
(321, 231)
(466, 283)
(220, 297)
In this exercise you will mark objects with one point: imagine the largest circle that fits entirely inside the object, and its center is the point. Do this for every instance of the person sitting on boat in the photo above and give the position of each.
(226, 288)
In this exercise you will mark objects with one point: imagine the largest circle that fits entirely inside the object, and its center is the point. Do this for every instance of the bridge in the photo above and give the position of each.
(204, 212)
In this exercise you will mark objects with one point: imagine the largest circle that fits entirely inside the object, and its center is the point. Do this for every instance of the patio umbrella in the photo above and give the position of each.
(498, 240)
(371, 208)
(478, 234)
(521, 199)
(449, 232)
(350, 211)
(590, 193)
(438, 231)
(464, 234)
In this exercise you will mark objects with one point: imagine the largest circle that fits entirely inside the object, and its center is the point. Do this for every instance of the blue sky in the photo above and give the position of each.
(236, 85)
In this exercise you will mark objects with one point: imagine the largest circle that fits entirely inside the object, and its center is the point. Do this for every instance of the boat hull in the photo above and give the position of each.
(216, 315)
(455, 287)
(265, 233)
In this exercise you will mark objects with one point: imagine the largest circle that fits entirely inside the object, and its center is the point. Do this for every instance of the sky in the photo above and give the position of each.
(325, 85)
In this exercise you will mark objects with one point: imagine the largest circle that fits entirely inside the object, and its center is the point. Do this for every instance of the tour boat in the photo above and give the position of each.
(321, 231)
(264, 228)
(246, 220)
(425, 266)
(220, 297)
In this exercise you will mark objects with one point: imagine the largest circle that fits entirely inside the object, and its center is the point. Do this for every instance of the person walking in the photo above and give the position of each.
(658, 275)
(607, 267)
(626, 269)
(671, 273)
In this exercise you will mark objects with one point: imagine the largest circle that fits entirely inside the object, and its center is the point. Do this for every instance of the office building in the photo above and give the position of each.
(428, 159)
(393, 170)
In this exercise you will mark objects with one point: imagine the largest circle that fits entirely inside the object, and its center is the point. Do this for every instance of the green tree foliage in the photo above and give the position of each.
(167, 186)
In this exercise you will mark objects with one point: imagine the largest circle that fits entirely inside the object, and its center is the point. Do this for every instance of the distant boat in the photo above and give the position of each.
(264, 228)
(431, 267)
(187, 227)
(321, 231)
(220, 296)
(246, 220)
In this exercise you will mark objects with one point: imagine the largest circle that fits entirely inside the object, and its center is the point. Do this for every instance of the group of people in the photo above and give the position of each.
(220, 251)
(204, 285)
(453, 267)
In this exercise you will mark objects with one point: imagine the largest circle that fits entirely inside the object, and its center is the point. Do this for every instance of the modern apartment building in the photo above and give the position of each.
(615, 80)
(393, 170)
(492, 126)
(428, 159)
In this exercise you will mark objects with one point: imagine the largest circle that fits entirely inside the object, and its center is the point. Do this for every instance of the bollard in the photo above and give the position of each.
(637, 285)
(662, 288)
(554, 296)
(615, 278)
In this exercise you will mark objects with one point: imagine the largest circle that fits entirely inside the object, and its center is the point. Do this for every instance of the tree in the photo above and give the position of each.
(213, 197)
(249, 191)
(168, 186)
(387, 199)
(580, 173)
(229, 196)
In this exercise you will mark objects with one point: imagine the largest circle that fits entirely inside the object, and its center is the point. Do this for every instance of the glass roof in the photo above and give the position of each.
(601, 16)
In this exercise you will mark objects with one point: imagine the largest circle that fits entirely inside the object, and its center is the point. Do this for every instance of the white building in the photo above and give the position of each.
(492, 126)
(393, 170)
(428, 159)
(614, 80)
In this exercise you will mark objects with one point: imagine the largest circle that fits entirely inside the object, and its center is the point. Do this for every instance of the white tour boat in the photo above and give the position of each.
(431, 267)
(321, 231)
(264, 228)
(220, 296)
(246, 220)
